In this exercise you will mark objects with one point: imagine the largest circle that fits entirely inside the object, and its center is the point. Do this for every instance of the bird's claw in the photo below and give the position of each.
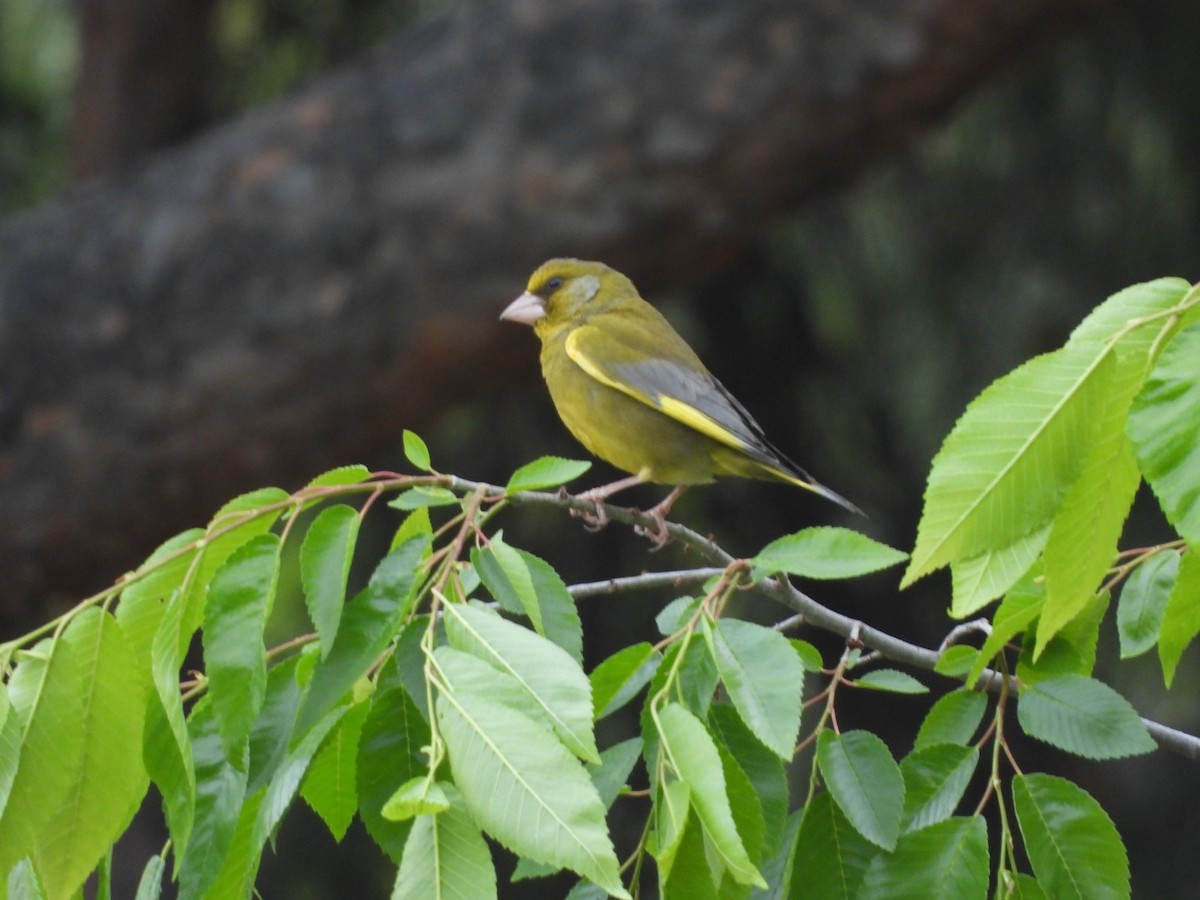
(657, 536)
(594, 519)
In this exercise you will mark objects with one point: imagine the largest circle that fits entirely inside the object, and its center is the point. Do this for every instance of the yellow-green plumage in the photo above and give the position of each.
(632, 391)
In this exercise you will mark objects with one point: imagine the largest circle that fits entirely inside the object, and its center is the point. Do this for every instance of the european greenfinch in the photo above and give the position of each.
(632, 391)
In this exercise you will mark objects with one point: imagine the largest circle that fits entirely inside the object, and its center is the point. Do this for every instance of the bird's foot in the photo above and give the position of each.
(593, 519)
(658, 535)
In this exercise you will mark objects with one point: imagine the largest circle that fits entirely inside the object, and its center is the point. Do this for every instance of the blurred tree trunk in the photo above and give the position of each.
(288, 291)
(143, 80)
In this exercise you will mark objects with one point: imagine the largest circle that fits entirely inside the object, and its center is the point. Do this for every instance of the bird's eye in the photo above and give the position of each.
(553, 284)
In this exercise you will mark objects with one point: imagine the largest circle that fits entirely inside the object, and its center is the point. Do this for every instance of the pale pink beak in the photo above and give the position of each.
(527, 309)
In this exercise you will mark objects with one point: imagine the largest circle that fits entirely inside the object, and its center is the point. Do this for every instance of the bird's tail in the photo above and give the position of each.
(788, 471)
(817, 488)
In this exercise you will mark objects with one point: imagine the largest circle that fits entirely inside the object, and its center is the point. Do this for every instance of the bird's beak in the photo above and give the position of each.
(527, 309)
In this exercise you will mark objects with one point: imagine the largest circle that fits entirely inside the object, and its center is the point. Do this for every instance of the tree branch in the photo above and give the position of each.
(810, 611)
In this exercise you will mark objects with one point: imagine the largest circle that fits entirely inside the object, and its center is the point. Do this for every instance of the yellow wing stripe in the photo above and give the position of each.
(676, 409)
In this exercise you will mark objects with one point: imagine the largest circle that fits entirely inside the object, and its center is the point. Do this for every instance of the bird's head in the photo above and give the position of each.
(567, 290)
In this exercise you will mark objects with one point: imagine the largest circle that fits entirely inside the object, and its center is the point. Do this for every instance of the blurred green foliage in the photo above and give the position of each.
(267, 46)
(37, 69)
(262, 48)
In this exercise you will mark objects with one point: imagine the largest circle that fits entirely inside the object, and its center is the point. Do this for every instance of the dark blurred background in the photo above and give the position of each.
(855, 325)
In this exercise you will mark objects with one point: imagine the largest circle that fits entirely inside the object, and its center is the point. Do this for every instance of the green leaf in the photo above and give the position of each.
(609, 777)
(462, 672)
(825, 552)
(339, 477)
(1073, 846)
(416, 797)
(865, 782)
(525, 585)
(1181, 618)
(220, 790)
(616, 762)
(1070, 652)
(776, 867)
(286, 780)
(692, 874)
(408, 662)
(697, 677)
(1083, 537)
(1144, 601)
(935, 778)
(546, 472)
(389, 754)
(977, 581)
(549, 678)
(108, 780)
(557, 618)
(424, 496)
(764, 678)
(953, 719)
(416, 451)
(342, 475)
(330, 784)
(670, 814)
(325, 558)
(830, 856)
(764, 769)
(1020, 886)
(946, 861)
(619, 678)
(1016, 612)
(446, 857)
(236, 877)
(415, 524)
(892, 680)
(524, 788)
(506, 575)
(139, 622)
(11, 728)
(691, 752)
(1164, 426)
(1083, 716)
(45, 693)
(585, 890)
(273, 728)
(23, 883)
(233, 525)
(675, 614)
(368, 625)
(810, 656)
(956, 660)
(167, 745)
(104, 877)
(1124, 308)
(150, 884)
(239, 601)
(163, 570)
(747, 815)
(1004, 467)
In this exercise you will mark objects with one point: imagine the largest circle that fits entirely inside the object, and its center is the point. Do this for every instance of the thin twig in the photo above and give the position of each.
(784, 592)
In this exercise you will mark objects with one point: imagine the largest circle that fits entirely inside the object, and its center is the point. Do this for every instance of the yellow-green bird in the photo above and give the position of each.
(636, 395)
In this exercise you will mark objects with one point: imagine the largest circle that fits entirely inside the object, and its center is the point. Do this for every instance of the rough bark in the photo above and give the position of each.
(286, 292)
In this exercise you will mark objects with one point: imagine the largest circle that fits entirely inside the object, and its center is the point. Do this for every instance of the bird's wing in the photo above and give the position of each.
(664, 372)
